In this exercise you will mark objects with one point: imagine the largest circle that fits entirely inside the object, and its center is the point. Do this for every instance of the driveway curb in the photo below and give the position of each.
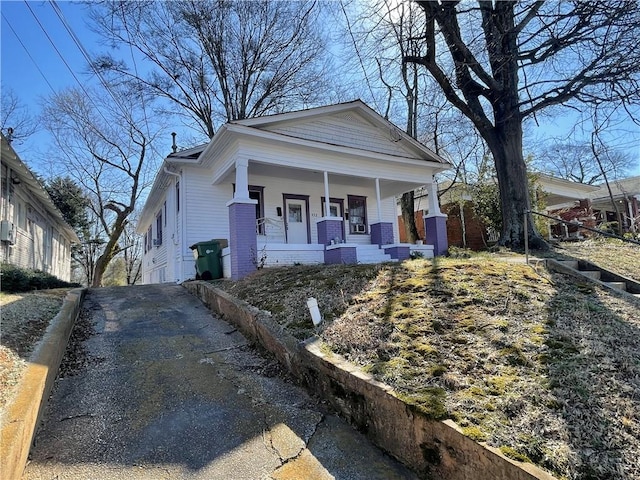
(434, 449)
(25, 411)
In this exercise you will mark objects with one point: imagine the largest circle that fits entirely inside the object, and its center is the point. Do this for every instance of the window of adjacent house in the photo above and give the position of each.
(146, 242)
(20, 215)
(357, 206)
(178, 197)
(159, 228)
(165, 213)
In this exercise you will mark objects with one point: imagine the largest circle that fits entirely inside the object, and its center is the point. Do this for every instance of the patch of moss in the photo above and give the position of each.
(499, 384)
(429, 401)
(474, 433)
(438, 370)
(424, 349)
(513, 454)
(502, 325)
(514, 356)
(438, 326)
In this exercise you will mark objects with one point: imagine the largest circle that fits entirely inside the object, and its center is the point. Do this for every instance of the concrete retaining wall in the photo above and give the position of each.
(24, 413)
(434, 449)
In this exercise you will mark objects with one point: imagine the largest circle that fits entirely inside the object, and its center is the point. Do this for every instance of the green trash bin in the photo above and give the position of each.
(208, 256)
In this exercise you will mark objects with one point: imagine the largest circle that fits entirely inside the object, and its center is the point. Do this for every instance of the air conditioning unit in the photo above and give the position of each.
(7, 232)
(359, 228)
(157, 242)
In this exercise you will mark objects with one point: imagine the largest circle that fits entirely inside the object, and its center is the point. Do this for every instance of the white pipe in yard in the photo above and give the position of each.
(312, 303)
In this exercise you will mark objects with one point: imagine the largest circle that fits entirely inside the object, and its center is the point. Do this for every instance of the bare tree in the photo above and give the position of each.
(380, 36)
(105, 146)
(218, 60)
(576, 162)
(132, 253)
(500, 63)
(16, 122)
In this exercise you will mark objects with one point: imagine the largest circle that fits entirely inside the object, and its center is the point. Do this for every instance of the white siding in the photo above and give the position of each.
(39, 245)
(208, 215)
(348, 130)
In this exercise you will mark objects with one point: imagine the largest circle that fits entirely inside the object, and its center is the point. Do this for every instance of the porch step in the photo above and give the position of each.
(371, 254)
(618, 285)
(594, 274)
(569, 263)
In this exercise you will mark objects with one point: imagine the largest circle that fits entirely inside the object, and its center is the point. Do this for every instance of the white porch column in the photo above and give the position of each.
(327, 211)
(435, 222)
(242, 179)
(432, 199)
(379, 203)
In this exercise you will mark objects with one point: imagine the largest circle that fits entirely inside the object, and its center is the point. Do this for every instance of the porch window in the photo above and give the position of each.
(357, 214)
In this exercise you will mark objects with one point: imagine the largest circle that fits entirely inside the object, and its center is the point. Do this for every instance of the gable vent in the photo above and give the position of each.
(350, 118)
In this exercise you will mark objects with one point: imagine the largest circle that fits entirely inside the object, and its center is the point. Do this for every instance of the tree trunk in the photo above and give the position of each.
(110, 250)
(407, 207)
(505, 143)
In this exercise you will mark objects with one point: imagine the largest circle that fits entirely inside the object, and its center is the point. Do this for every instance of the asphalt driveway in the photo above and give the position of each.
(163, 389)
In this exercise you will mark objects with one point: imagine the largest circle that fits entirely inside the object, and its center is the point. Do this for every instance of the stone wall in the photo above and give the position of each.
(434, 449)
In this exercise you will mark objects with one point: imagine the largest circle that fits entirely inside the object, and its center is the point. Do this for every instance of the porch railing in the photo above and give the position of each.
(266, 224)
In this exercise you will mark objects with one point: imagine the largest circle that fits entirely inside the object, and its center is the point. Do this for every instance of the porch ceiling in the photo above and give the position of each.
(388, 188)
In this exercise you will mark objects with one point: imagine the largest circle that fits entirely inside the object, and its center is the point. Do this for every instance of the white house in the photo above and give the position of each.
(312, 186)
(33, 233)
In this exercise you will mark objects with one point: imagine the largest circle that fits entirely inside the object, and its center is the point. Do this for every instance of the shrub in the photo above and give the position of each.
(16, 279)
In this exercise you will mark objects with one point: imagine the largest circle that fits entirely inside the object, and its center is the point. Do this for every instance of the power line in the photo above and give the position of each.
(28, 53)
(60, 55)
(85, 54)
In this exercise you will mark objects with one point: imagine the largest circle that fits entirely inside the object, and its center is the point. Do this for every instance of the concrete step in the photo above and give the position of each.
(619, 285)
(594, 274)
(569, 263)
(374, 259)
(368, 248)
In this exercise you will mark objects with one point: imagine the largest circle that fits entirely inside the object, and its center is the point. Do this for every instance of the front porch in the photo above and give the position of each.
(329, 218)
(283, 254)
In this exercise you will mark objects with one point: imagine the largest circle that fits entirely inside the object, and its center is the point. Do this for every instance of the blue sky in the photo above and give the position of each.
(24, 68)
(28, 57)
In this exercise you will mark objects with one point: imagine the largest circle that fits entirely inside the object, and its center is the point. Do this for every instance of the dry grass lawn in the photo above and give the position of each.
(619, 257)
(23, 319)
(537, 364)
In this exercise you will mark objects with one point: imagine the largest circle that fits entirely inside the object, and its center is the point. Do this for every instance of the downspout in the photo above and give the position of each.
(182, 237)
(5, 207)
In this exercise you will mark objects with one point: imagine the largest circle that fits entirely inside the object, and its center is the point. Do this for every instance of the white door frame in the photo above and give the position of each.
(303, 198)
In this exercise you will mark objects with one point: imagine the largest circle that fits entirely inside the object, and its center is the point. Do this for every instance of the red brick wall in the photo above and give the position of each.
(475, 230)
(419, 225)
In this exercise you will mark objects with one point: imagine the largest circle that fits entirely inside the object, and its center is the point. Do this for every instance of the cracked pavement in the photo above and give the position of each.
(166, 390)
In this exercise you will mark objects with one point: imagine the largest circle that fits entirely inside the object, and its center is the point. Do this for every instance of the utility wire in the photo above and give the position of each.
(64, 61)
(85, 54)
(28, 53)
(355, 47)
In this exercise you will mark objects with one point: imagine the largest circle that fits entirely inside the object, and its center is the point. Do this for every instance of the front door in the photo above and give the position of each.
(296, 217)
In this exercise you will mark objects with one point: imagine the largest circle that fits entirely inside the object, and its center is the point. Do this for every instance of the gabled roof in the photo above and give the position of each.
(264, 129)
(356, 106)
(33, 185)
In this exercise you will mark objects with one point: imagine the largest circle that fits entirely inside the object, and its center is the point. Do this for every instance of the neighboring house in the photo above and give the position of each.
(587, 205)
(33, 233)
(312, 186)
(626, 194)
